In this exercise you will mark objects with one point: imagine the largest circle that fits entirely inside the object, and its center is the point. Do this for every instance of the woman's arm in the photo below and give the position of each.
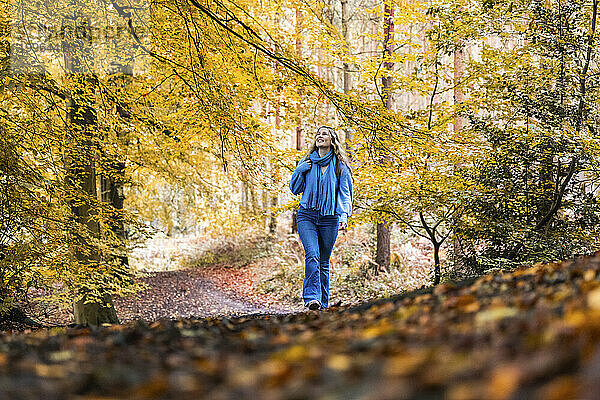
(344, 199)
(298, 181)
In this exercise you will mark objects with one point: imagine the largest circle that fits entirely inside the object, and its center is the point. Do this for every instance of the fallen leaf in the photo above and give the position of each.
(494, 314)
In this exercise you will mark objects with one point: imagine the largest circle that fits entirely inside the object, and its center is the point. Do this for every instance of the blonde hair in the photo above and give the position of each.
(338, 148)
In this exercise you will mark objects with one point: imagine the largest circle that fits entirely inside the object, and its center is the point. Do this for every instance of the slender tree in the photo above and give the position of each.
(298, 130)
(383, 228)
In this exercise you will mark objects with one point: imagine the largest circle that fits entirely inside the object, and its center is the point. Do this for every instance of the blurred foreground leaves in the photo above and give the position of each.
(533, 333)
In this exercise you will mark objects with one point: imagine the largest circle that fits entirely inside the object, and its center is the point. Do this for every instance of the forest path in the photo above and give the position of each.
(532, 333)
(199, 293)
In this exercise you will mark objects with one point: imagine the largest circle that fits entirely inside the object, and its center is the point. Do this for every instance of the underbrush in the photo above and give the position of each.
(278, 262)
(353, 276)
(163, 253)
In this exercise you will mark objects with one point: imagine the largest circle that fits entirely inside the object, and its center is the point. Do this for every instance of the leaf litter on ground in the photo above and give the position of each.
(532, 333)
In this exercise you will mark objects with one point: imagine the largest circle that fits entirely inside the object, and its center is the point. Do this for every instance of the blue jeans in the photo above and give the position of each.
(318, 234)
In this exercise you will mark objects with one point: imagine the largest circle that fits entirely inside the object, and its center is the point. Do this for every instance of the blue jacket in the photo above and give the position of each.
(343, 207)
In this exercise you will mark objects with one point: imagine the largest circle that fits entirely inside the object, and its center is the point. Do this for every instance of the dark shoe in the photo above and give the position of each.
(313, 305)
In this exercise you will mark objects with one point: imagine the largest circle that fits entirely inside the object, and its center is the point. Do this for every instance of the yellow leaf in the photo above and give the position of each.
(593, 299)
(487, 316)
(339, 362)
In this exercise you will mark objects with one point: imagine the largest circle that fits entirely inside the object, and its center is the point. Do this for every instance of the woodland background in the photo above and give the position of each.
(472, 128)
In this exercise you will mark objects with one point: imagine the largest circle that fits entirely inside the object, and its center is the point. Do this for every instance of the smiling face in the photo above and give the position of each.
(323, 138)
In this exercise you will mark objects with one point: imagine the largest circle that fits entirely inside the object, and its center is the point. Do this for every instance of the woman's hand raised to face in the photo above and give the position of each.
(308, 162)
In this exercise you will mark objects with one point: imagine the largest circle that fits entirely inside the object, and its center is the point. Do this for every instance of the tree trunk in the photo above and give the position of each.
(459, 97)
(273, 221)
(546, 183)
(383, 248)
(346, 74)
(299, 126)
(244, 193)
(95, 313)
(459, 123)
(383, 229)
(115, 179)
(81, 171)
(437, 274)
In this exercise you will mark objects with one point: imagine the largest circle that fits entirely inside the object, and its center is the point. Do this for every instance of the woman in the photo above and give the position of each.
(324, 179)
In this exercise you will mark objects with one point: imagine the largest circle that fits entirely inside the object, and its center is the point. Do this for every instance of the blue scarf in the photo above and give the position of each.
(320, 192)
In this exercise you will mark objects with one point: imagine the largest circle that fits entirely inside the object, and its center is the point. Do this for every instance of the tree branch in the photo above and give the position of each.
(559, 196)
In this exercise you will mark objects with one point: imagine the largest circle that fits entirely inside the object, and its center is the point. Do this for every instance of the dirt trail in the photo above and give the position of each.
(189, 293)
